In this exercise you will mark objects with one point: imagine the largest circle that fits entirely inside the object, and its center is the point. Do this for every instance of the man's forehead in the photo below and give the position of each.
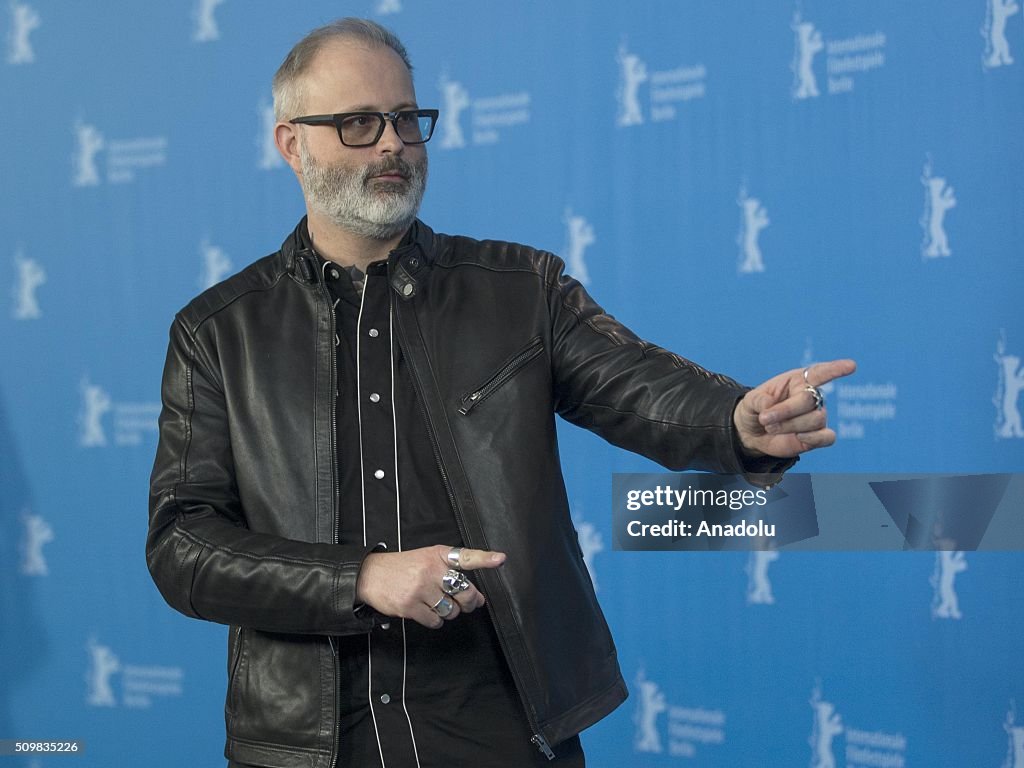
(354, 69)
(350, 53)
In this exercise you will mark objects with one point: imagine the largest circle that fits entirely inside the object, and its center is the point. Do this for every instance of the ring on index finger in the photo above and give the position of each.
(455, 558)
(454, 582)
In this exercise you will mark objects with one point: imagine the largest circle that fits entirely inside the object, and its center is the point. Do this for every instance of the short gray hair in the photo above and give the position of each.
(287, 86)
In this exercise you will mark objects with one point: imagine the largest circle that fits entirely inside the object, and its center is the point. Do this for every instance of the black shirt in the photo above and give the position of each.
(409, 696)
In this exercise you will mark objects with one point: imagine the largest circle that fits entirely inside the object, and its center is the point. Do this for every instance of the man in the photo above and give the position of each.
(357, 420)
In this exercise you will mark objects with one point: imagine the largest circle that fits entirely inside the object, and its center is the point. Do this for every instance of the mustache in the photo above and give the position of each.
(390, 165)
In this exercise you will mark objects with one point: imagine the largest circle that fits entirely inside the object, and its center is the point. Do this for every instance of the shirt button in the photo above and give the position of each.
(379, 474)
(374, 398)
(384, 698)
(333, 273)
(374, 333)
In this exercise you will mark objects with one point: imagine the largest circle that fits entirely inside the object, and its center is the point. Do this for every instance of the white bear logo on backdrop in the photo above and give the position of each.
(1014, 738)
(125, 157)
(30, 275)
(945, 603)
(456, 99)
(649, 705)
(24, 20)
(95, 404)
(753, 219)
(997, 47)
(216, 264)
(808, 44)
(847, 58)
(938, 199)
(102, 665)
(632, 74)
(37, 532)
(669, 89)
(206, 29)
(579, 235)
(89, 143)
(1011, 382)
(138, 686)
(759, 587)
(826, 726)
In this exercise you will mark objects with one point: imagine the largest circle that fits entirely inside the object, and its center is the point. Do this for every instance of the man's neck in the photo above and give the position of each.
(345, 248)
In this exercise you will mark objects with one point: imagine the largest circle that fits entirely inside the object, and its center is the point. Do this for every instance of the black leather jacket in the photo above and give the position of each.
(244, 502)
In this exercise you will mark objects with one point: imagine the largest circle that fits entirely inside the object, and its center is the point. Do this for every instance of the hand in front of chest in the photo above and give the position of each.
(418, 585)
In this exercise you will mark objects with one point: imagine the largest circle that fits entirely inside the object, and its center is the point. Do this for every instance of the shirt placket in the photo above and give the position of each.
(375, 373)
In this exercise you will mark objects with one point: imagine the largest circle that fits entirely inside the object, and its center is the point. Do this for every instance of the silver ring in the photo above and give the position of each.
(443, 607)
(455, 558)
(819, 399)
(454, 582)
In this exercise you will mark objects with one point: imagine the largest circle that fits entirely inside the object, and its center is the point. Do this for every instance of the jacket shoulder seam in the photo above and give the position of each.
(219, 297)
(533, 267)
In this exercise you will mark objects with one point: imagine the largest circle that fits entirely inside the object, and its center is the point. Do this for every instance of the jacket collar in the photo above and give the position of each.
(414, 254)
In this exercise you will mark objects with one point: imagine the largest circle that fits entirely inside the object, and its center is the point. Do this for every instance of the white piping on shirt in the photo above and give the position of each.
(398, 515)
(362, 487)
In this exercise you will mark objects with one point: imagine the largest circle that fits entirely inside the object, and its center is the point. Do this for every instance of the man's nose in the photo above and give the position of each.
(390, 141)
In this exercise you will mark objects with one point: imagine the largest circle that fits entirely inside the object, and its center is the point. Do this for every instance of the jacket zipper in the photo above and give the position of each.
(506, 372)
(543, 746)
(537, 739)
(334, 498)
(233, 679)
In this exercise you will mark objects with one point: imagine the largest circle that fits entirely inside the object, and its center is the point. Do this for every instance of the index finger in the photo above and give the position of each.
(822, 373)
(473, 559)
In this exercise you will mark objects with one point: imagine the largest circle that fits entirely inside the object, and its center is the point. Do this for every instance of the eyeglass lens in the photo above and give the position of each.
(366, 128)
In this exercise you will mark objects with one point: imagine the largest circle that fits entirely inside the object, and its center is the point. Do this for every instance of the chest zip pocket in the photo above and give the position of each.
(508, 369)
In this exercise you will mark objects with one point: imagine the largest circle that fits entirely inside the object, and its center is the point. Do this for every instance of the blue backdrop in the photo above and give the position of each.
(756, 185)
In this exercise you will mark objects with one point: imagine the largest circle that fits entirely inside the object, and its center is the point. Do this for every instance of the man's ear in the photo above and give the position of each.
(286, 139)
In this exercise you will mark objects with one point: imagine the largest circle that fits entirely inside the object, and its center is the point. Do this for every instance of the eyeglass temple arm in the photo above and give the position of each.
(314, 120)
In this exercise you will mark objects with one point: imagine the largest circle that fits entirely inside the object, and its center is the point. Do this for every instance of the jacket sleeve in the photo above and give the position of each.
(641, 397)
(203, 559)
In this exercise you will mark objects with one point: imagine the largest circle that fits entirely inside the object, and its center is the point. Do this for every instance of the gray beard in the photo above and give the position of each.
(375, 210)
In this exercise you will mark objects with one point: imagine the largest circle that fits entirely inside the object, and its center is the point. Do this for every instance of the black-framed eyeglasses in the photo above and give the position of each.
(364, 129)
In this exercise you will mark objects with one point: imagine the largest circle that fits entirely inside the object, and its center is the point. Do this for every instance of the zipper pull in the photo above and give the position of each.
(542, 745)
(469, 402)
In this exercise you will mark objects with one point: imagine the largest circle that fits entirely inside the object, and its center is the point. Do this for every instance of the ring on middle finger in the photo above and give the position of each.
(454, 582)
(819, 398)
